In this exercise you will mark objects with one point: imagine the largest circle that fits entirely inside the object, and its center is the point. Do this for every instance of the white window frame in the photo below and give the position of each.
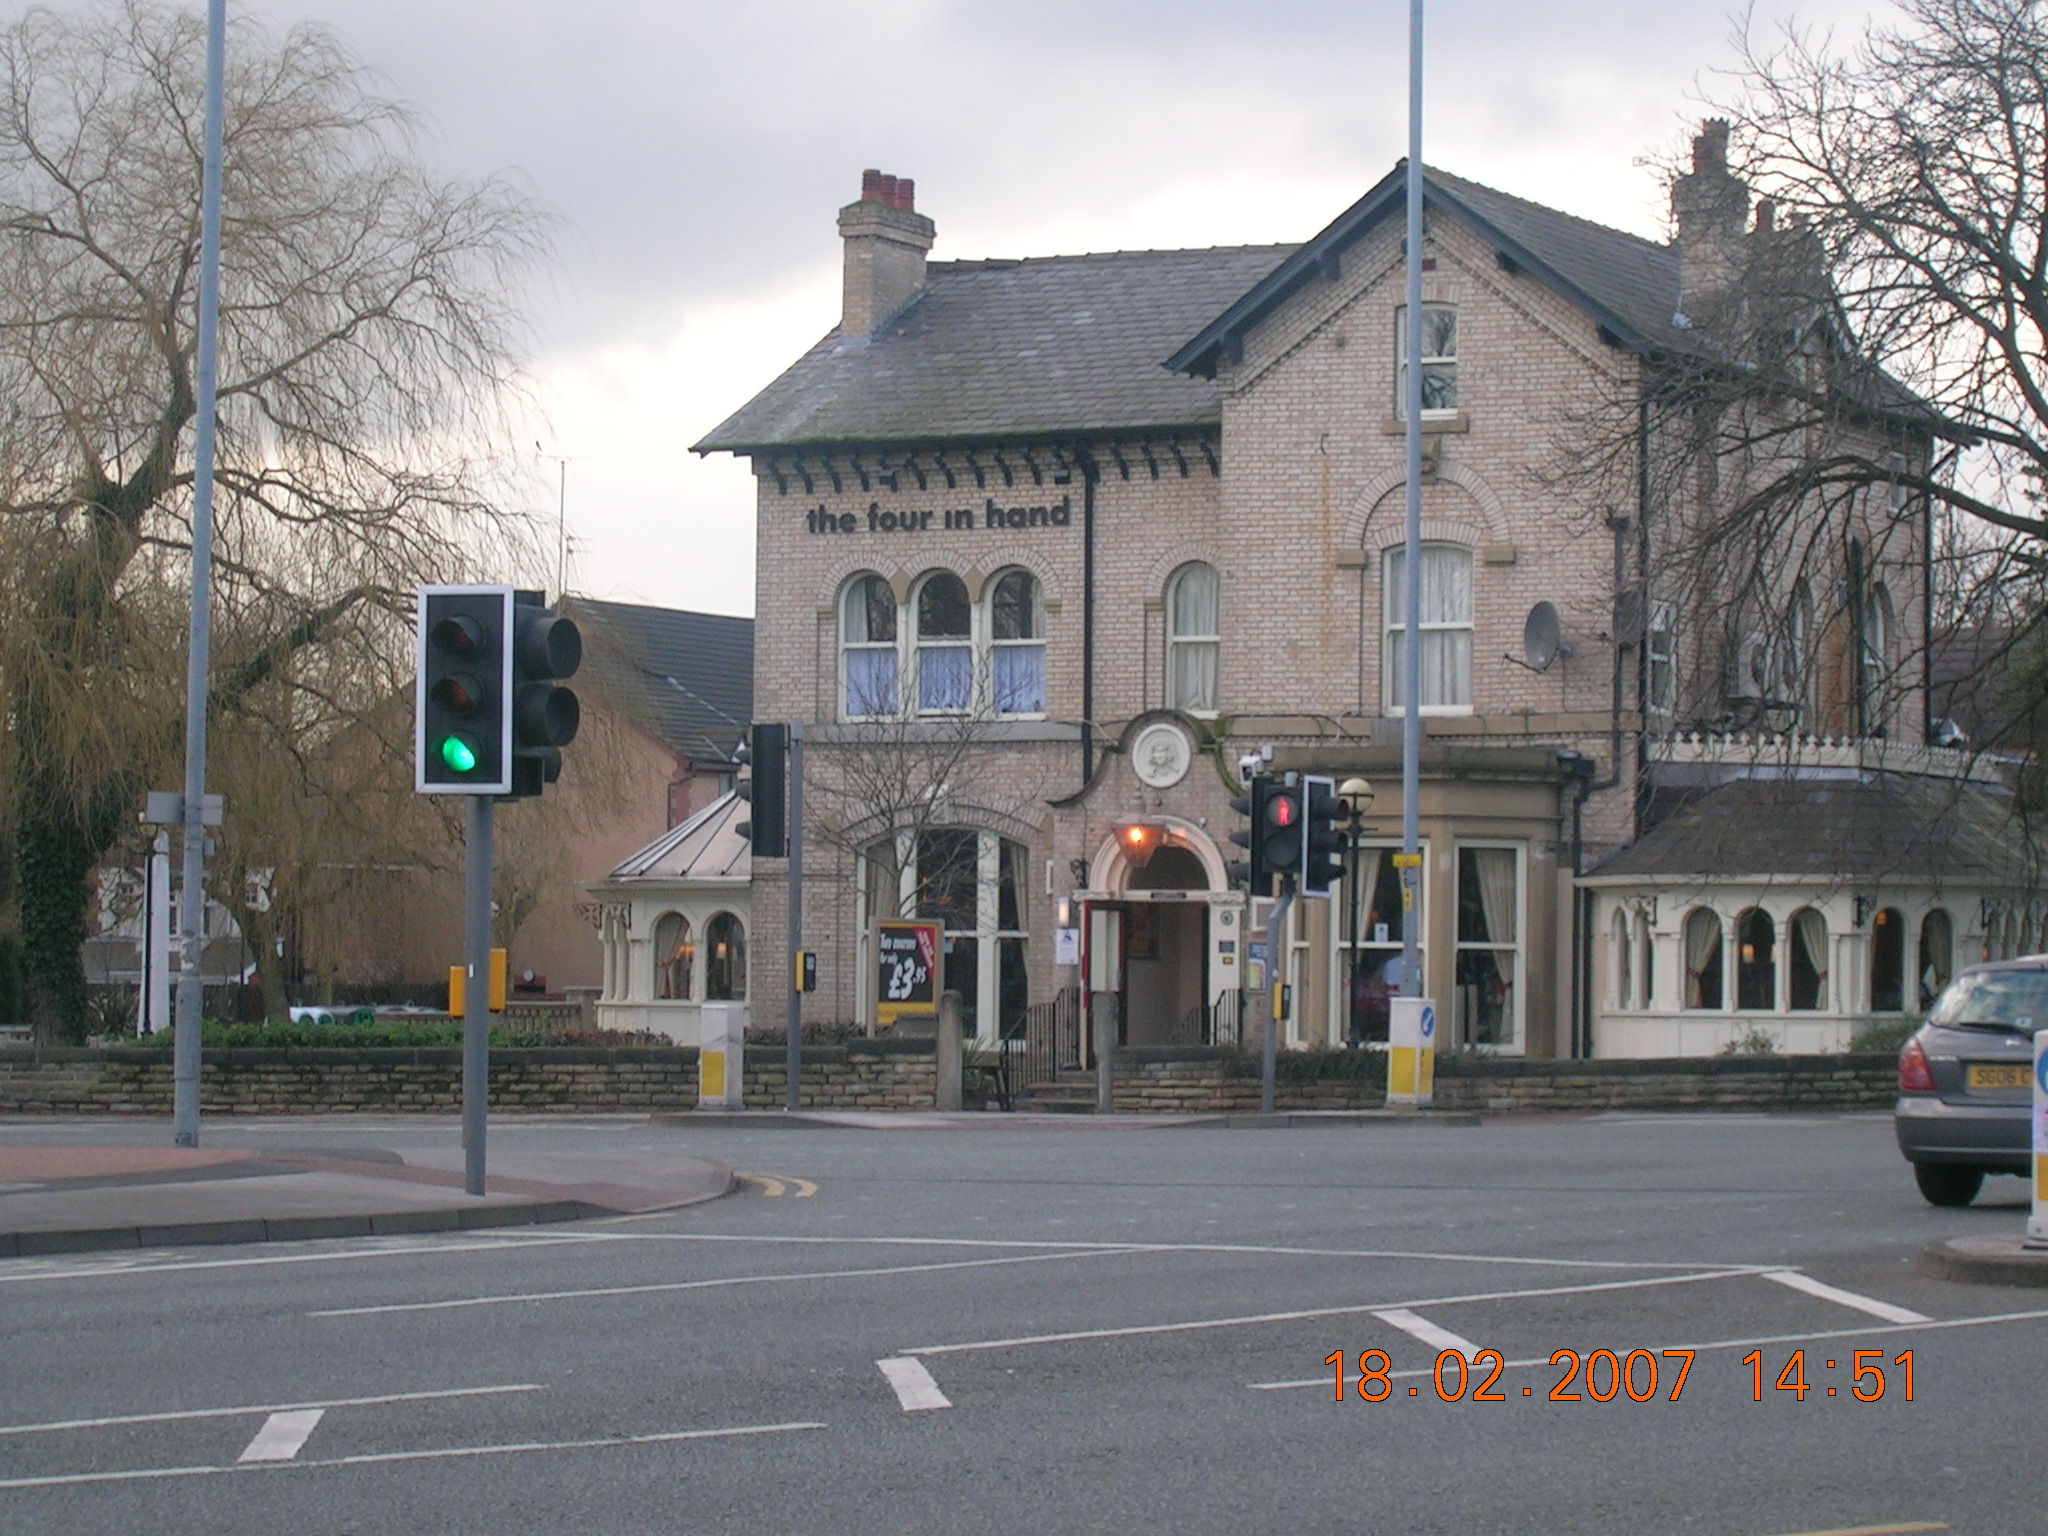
(1390, 628)
(985, 619)
(1438, 363)
(1516, 1043)
(1660, 701)
(1343, 941)
(1175, 642)
(894, 648)
(987, 934)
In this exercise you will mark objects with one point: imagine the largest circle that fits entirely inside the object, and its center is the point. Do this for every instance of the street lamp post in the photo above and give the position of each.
(1357, 797)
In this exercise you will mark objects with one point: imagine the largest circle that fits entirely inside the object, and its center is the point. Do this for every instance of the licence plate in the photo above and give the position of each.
(1982, 1075)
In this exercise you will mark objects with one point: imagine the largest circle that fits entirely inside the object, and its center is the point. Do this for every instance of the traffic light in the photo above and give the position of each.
(767, 789)
(1249, 871)
(546, 649)
(1325, 818)
(1277, 822)
(462, 726)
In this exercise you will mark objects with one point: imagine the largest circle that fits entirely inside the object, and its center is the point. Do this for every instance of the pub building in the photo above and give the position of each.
(1048, 547)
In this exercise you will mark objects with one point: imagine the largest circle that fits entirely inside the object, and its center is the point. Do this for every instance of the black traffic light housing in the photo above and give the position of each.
(461, 720)
(1277, 827)
(766, 788)
(1250, 871)
(490, 714)
(1324, 820)
(546, 650)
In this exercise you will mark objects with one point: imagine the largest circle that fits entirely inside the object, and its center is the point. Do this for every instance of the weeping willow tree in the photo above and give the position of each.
(369, 374)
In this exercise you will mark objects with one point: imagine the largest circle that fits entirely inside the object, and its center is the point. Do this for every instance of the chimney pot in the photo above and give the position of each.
(1766, 215)
(1710, 149)
(886, 240)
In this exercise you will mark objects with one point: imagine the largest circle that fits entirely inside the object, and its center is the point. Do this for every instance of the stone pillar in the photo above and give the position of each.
(947, 1095)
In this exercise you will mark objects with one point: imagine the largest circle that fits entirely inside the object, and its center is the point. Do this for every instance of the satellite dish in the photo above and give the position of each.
(1540, 637)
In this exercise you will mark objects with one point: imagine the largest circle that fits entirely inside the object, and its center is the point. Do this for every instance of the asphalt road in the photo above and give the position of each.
(1063, 1328)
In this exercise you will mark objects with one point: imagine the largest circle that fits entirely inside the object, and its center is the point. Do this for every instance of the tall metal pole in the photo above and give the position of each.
(191, 986)
(1276, 948)
(1356, 830)
(1411, 573)
(476, 1005)
(795, 1058)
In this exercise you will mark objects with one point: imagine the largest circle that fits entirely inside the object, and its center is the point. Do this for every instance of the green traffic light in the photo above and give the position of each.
(458, 754)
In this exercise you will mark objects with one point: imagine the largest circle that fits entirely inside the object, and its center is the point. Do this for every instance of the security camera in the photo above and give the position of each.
(1248, 768)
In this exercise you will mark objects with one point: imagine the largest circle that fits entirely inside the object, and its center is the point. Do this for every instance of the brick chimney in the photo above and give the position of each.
(886, 241)
(1711, 209)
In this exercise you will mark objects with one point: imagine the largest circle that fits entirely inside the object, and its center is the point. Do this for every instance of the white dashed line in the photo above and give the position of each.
(1868, 1304)
(283, 1435)
(915, 1389)
(1419, 1327)
(249, 1410)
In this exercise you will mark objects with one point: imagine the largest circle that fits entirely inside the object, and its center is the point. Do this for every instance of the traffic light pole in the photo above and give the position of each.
(1276, 936)
(476, 1016)
(794, 1057)
(191, 983)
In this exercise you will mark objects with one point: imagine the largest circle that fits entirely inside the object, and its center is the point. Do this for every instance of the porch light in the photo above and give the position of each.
(1139, 842)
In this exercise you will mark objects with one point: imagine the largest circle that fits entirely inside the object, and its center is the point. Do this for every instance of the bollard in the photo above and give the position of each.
(947, 1096)
(1105, 1050)
(1411, 1057)
(721, 1057)
(2037, 1219)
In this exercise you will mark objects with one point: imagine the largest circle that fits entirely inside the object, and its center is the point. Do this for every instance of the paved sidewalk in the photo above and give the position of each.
(62, 1195)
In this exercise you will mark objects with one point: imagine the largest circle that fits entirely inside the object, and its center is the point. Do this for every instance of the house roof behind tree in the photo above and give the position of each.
(687, 679)
(1871, 828)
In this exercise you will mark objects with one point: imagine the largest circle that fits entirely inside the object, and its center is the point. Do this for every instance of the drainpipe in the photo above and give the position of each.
(1088, 478)
(1643, 600)
(1582, 768)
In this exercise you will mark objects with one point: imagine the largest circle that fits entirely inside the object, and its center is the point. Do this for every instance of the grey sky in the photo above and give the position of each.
(697, 153)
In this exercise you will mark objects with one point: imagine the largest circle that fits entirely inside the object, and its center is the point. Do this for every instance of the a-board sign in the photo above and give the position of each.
(908, 980)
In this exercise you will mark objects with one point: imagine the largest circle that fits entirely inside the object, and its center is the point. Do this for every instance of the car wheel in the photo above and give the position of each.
(1948, 1183)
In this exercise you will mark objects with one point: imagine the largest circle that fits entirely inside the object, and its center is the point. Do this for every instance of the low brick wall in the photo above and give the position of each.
(878, 1074)
(902, 1074)
(1202, 1080)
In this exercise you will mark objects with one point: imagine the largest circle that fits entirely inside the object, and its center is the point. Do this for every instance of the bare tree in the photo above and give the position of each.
(368, 365)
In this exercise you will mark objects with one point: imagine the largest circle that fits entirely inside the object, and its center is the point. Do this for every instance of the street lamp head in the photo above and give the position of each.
(1356, 794)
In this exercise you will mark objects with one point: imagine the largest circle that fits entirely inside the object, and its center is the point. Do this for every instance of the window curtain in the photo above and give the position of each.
(672, 955)
(871, 681)
(1494, 869)
(1194, 620)
(1810, 933)
(945, 677)
(1702, 948)
(1194, 675)
(1446, 600)
(1020, 679)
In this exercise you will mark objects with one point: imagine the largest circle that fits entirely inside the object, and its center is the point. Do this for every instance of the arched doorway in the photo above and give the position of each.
(1155, 942)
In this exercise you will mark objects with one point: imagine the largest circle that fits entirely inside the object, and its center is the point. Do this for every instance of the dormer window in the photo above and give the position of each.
(1439, 361)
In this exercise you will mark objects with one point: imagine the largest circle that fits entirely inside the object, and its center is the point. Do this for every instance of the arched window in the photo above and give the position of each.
(1877, 659)
(1937, 955)
(1646, 953)
(1624, 986)
(673, 955)
(945, 645)
(1446, 627)
(725, 959)
(1808, 932)
(1194, 623)
(1756, 961)
(1795, 664)
(1016, 627)
(1888, 962)
(1702, 958)
(867, 638)
(977, 886)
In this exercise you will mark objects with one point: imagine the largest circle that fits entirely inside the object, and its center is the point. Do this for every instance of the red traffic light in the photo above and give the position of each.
(1281, 810)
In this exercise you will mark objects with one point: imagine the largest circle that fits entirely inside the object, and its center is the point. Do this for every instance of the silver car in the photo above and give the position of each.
(1966, 1079)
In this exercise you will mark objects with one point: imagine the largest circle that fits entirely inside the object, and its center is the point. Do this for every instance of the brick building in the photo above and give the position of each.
(1048, 546)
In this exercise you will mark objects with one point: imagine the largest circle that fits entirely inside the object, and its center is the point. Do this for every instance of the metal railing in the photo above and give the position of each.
(1217, 1023)
(1050, 1042)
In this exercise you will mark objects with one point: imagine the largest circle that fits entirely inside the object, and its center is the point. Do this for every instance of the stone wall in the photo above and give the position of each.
(879, 1074)
(901, 1075)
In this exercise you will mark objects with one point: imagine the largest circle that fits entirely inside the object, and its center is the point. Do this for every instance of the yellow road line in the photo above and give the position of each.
(775, 1185)
(1877, 1530)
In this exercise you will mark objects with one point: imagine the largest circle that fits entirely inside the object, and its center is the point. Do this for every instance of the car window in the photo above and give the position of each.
(2014, 999)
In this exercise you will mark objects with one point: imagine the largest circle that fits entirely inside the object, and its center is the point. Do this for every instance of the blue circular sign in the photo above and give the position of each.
(1429, 1023)
(2041, 1072)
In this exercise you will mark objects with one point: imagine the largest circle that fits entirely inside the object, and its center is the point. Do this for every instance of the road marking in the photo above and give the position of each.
(146, 1474)
(283, 1435)
(397, 1248)
(1244, 1320)
(1754, 1342)
(1879, 1530)
(247, 1410)
(656, 1288)
(915, 1389)
(1417, 1327)
(778, 1184)
(1869, 1304)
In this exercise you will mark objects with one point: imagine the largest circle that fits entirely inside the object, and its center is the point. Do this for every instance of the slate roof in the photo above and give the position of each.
(1865, 827)
(687, 679)
(707, 846)
(1047, 346)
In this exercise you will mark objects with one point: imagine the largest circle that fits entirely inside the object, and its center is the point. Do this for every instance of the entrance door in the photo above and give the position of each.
(1166, 963)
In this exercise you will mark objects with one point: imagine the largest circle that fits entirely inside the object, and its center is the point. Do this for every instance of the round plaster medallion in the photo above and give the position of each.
(1162, 755)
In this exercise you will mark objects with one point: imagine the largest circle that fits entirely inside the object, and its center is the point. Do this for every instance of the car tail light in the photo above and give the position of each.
(1915, 1076)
